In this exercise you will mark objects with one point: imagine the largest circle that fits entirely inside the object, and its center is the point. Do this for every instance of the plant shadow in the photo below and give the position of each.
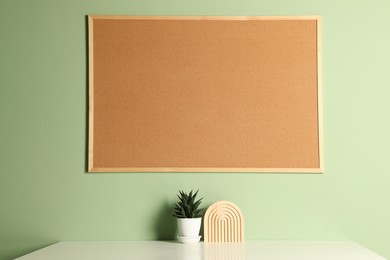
(165, 224)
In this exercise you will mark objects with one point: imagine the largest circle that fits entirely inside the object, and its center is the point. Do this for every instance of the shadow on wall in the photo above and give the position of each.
(86, 95)
(166, 226)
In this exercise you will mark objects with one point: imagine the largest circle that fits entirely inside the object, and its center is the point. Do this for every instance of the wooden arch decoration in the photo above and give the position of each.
(223, 222)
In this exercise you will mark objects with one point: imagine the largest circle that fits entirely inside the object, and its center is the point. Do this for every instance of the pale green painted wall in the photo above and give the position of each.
(46, 196)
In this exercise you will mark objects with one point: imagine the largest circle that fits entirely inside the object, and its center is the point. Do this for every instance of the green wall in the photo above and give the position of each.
(46, 195)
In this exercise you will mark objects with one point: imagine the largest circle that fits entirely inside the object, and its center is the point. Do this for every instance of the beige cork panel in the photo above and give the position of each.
(204, 94)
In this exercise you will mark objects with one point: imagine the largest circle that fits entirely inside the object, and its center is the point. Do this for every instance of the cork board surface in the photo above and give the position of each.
(204, 94)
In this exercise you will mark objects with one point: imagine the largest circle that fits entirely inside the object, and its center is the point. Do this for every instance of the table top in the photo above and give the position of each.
(164, 250)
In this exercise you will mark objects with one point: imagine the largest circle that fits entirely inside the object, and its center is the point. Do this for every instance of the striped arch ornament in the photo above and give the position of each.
(223, 222)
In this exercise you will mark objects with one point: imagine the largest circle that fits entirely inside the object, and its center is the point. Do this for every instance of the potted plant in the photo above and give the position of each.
(189, 216)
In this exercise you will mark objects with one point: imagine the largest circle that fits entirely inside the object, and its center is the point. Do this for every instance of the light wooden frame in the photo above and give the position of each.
(145, 168)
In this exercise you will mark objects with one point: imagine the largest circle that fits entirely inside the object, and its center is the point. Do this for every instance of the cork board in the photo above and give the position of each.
(204, 94)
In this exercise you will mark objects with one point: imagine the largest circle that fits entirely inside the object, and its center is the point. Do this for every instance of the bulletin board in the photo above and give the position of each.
(204, 94)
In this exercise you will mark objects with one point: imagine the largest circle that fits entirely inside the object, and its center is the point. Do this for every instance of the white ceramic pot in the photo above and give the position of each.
(189, 227)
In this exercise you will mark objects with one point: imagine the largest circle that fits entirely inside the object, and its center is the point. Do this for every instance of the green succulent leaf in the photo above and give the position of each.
(187, 205)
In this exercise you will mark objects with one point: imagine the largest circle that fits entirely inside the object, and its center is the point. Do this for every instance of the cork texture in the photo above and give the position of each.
(203, 93)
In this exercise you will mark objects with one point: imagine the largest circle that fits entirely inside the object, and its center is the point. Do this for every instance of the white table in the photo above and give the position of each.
(160, 250)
